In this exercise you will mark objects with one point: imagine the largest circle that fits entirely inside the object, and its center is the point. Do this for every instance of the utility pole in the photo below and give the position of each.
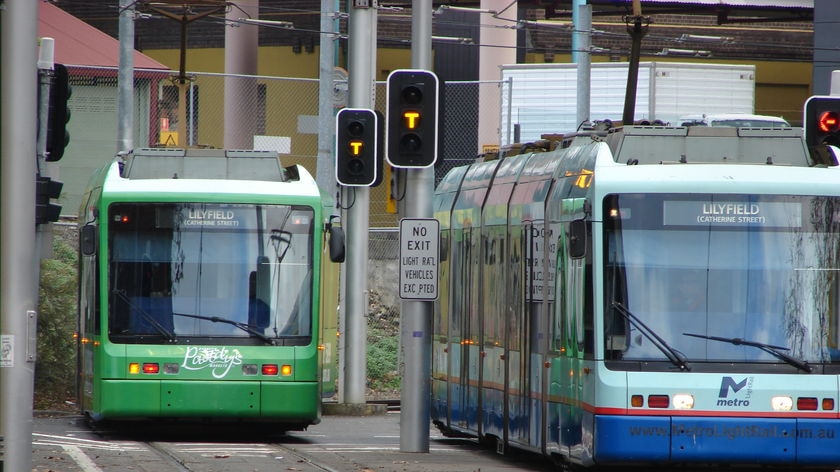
(637, 26)
(18, 289)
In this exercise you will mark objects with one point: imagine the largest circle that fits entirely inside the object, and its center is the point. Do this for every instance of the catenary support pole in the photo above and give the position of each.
(581, 55)
(325, 170)
(18, 292)
(576, 38)
(416, 316)
(361, 62)
(241, 45)
(125, 78)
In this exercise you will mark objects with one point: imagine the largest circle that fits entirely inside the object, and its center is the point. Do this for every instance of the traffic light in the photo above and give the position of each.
(822, 121)
(45, 190)
(59, 114)
(412, 129)
(357, 147)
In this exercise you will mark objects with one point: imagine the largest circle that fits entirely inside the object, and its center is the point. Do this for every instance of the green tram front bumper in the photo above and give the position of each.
(288, 402)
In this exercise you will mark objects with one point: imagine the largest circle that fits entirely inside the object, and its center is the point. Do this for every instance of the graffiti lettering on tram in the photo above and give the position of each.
(219, 359)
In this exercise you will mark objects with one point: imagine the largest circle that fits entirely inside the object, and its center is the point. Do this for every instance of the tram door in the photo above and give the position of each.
(471, 346)
(462, 340)
(520, 281)
(88, 323)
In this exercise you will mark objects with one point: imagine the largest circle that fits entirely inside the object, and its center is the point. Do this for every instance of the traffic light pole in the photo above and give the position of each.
(361, 63)
(18, 292)
(416, 316)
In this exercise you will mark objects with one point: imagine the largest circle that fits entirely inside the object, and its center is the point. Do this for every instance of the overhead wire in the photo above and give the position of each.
(530, 26)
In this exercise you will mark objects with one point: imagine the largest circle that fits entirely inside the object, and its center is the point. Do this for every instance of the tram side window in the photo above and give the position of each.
(89, 293)
(574, 308)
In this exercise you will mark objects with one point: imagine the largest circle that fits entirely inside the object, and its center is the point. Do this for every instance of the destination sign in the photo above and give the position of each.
(706, 213)
(209, 217)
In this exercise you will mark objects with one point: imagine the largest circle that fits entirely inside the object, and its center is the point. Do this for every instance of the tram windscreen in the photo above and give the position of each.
(197, 271)
(708, 272)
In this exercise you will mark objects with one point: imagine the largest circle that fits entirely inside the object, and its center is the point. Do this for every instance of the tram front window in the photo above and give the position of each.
(719, 276)
(195, 272)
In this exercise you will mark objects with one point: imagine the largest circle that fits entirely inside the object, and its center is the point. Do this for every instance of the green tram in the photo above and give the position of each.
(205, 291)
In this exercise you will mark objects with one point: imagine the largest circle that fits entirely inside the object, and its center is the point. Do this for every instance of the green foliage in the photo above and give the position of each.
(56, 356)
(383, 355)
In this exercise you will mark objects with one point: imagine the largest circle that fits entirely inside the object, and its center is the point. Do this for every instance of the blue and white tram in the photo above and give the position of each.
(606, 312)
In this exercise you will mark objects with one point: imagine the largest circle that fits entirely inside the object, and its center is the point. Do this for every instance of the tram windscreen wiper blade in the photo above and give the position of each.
(243, 326)
(672, 354)
(776, 351)
(163, 330)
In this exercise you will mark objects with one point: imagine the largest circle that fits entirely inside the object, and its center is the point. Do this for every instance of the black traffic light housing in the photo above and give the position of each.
(358, 144)
(59, 114)
(412, 121)
(822, 121)
(45, 190)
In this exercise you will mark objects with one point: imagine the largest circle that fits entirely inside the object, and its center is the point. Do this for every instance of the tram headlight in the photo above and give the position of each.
(683, 401)
(781, 403)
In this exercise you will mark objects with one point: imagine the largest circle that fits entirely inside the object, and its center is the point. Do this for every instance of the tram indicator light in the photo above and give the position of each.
(412, 118)
(822, 121)
(357, 147)
(806, 403)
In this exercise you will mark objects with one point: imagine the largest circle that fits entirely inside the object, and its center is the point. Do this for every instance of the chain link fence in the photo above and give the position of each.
(269, 113)
(262, 112)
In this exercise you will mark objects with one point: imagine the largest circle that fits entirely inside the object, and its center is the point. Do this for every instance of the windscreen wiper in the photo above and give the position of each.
(243, 326)
(672, 354)
(776, 351)
(163, 330)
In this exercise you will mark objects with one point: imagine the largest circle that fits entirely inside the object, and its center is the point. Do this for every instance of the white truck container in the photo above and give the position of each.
(542, 98)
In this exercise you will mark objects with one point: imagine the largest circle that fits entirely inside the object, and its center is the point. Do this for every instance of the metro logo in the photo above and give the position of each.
(727, 383)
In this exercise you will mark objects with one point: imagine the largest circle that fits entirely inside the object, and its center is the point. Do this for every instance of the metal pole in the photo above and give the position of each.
(125, 78)
(583, 33)
(361, 61)
(241, 44)
(576, 38)
(18, 92)
(325, 170)
(416, 316)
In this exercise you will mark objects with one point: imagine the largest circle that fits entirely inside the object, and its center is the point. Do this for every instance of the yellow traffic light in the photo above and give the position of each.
(356, 147)
(412, 119)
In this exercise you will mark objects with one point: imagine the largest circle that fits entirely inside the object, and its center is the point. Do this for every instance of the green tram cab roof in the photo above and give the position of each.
(181, 171)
